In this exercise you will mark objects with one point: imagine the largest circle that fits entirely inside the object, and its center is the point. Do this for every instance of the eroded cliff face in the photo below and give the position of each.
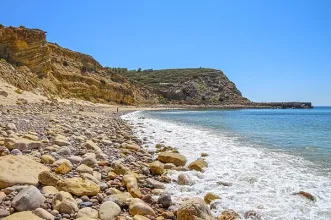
(31, 63)
(194, 86)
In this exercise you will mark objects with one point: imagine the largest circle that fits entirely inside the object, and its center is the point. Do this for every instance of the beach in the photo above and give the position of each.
(246, 177)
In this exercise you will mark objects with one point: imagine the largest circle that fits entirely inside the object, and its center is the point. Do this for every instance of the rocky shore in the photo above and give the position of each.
(71, 161)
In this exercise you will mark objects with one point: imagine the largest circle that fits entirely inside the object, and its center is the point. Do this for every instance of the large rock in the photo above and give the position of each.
(90, 145)
(88, 212)
(139, 207)
(120, 168)
(64, 168)
(195, 209)
(154, 183)
(175, 158)
(49, 190)
(84, 169)
(29, 198)
(132, 186)
(184, 179)
(64, 203)
(165, 200)
(61, 140)
(156, 167)
(228, 215)
(198, 165)
(109, 210)
(21, 144)
(42, 213)
(78, 186)
(120, 199)
(209, 197)
(48, 179)
(47, 159)
(19, 169)
(27, 215)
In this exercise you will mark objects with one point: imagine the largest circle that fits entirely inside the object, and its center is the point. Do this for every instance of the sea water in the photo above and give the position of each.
(266, 154)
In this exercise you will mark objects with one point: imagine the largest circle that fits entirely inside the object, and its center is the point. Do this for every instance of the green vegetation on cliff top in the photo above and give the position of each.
(155, 77)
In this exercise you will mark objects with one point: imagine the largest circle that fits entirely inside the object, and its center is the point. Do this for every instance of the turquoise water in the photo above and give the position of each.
(303, 132)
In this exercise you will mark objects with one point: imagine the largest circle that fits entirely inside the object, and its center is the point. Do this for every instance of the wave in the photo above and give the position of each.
(262, 180)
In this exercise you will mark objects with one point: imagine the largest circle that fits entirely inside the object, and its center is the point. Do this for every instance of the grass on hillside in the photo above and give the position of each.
(155, 77)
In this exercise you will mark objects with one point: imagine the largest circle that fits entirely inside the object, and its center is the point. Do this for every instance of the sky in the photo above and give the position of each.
(273, 50)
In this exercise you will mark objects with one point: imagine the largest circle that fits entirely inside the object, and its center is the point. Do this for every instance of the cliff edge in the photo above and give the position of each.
(29, 62)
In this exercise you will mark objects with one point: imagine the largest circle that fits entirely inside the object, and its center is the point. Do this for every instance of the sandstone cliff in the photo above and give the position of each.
(190, 86)
(31, 63)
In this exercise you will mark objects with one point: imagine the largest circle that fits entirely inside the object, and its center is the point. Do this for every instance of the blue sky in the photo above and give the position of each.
(274, 50)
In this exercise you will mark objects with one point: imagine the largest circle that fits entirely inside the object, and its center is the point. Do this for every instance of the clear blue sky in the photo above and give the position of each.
(274, 50)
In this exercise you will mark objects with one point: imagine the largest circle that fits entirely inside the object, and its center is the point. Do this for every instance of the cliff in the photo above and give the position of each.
(189, 86)
(31, 63)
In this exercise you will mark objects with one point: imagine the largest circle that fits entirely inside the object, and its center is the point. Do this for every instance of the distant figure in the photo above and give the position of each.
(117, 109)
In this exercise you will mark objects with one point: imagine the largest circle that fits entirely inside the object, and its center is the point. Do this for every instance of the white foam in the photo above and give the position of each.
(262, 180)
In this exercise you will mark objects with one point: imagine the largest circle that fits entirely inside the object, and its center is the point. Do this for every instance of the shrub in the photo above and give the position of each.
(18, 91)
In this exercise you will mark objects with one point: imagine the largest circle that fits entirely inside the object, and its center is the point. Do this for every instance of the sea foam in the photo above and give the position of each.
(262, 180)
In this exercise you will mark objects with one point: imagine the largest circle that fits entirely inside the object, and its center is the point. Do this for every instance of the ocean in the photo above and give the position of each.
(266, 154)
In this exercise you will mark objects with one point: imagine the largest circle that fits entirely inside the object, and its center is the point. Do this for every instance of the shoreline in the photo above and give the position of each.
(145, 125)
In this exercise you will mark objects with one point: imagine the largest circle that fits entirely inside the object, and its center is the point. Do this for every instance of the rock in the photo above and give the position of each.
(132, 186)
(2, 196)
(156, 184)
(204, 155)
(64, 151)
(139, 207)
(47, 159)
(165, 200)
(306, 195)
(48, 179)
(61, 140)
(89, 161)
(88, 212)
(112, 175)
(252, 215)
(119, 168)
(64, 168)
(120, 198)
(198, 165)
(49, 190)
(90, 145)
(184, 179)
(169, 166)
(27, 199)
(64, 203)
(194, 208)
(228, 215)
(28, 215)
(78, 186)
(31, 137)
(175, 158)
(209, 197)
(16, 152)
(19, 169)
(157, 168)
(3, 93)
(109, 210)
(84, 169)
(42, 213)
(133, 147)
(224, 183)
(75, 159)
(140, 217)
(60, 161)
(11, 126)
(21, 144)
(4, 213)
